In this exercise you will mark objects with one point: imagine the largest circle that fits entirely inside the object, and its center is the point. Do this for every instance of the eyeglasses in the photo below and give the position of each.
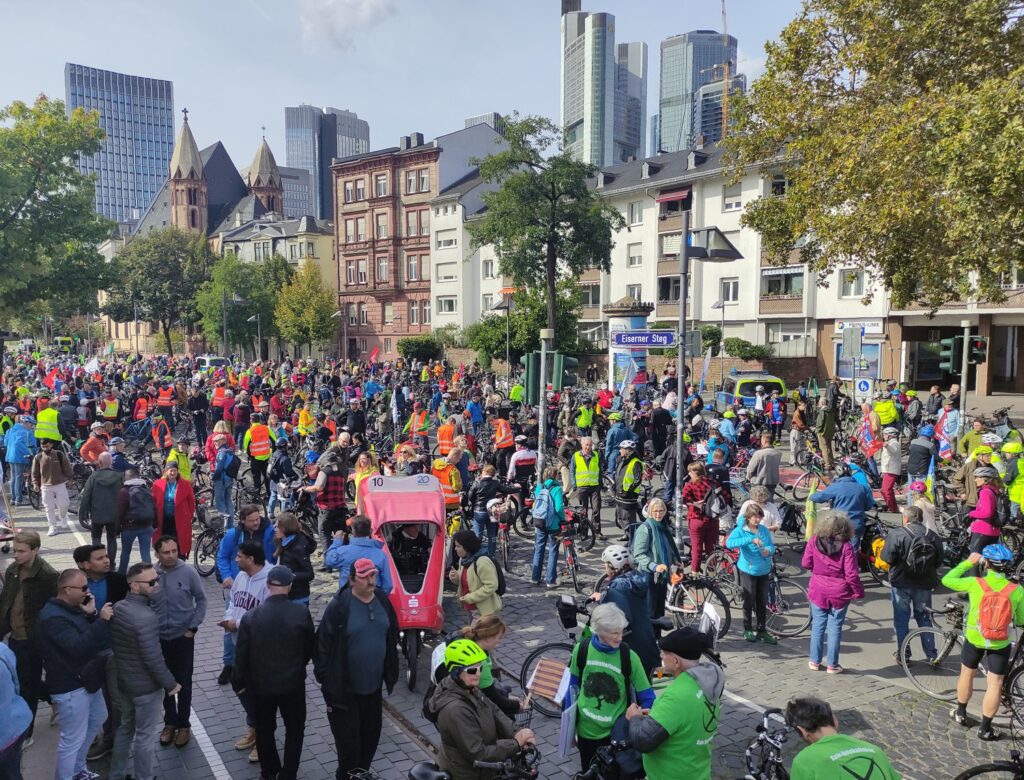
(472, 670)
(77, 587)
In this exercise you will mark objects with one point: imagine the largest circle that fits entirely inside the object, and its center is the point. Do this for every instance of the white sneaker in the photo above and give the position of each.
(52, 532)
(28, 743)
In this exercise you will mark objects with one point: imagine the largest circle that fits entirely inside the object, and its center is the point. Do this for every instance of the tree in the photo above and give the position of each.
(545, 222)
(425, 347)
(529, 315)
(899, 126)
(304, 308)
(158, 274)
(48, 228)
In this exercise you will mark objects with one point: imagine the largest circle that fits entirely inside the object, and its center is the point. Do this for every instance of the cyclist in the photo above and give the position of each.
(585, 478)
(755, 546)
(471, 726)
(830, 754)
(627, 589)
(995, 603)
(488, 631)
(678, 730)
(628, 475)
(654, 552)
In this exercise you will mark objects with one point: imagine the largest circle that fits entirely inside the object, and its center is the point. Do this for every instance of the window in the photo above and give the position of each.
(425, 319)
(488, 269)
(382, 268)
(410, 223)
(350, 231)
(634, 291)
(361, 229)
(387, 346)
(851, 282)
(389, 313)
(350, 191)
(412, 268)
(362, 314)
(730, 292)
(424, 267)
(446, 304)
(447, 238)
(309, 249)
(732, 197)
(636, 255)
(362, 345)
(776, 282)
(414, 313)
(424, 222)
(300, 251)
(380, 184)
(1013, 279)
(487, 303)
(361, 189)
(785, 331)
(382, 225)
(590, 294)
(437, 211)
(351, 314)
(258, 251)
(410, 182)
(362, 272)
(636, 212)
(425, 180)
(447, 272)
(350, 272)
(668, 289)
(779, 185)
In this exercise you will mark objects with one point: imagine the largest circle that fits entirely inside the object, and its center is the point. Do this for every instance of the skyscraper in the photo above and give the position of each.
(707, 108)
(137, 115)
(688, 62)
(630, 102)
(314, 137)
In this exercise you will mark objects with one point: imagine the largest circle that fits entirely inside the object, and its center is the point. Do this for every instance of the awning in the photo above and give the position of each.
(674, 195)
(507, 291)
(785, 271)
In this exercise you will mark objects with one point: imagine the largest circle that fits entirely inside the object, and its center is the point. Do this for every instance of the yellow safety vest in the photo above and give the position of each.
(587, 474)
(627, 479)
(46, 425)
(183, 462)
(110, 408)
(585, 418)
(886, 411)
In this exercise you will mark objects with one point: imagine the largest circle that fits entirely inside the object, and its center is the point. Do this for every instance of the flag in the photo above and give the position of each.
(50, 378)
(704, 371)
(374, 354)
(945, 448)
(93, 365)
(627, 378)
(930, 480)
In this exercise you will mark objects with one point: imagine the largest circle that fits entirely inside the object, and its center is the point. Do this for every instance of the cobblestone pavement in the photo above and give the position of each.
(872, 698)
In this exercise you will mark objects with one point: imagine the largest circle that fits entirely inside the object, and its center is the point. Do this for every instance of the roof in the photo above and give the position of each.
(672, 167)
(268, 224)
(264, 171)
(185, 160)
(469, 182)
(245, 210)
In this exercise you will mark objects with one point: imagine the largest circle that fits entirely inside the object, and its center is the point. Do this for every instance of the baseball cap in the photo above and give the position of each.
(280, 575)
(364, 567)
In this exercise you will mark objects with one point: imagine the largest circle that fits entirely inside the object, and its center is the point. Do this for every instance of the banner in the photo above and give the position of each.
(704, 372)
(93, 365)
(628, 376)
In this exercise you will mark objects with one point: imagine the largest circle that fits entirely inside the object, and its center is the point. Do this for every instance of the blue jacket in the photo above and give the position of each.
(68, 639)
(224, 455)
(861, 477)
(119, 461)
(341, 557)
(617, 434)
(557, 498)
(848, 495)
(21, 444)
(476, 414)
(715, 443)
(17, 715)
(727, 429)
(629, 593)
(751, 561)
(234, 537)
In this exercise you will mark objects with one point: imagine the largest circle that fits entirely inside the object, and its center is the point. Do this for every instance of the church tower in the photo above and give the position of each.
(188, 183)
(264, 179)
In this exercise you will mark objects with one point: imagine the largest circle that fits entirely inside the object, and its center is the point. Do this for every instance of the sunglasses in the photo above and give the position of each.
(472, 670)
(151, 582)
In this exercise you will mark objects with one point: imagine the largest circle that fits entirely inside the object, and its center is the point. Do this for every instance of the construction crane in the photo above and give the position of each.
(725, 72)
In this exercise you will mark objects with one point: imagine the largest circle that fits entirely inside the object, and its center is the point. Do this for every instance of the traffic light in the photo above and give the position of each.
(531, 380)
(979, 349)
(563, 371)
(951, 354)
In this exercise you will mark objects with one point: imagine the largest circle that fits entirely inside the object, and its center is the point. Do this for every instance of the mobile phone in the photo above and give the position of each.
(87, 599)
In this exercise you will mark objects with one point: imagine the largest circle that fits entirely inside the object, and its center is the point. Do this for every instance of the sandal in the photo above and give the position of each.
(813, 666)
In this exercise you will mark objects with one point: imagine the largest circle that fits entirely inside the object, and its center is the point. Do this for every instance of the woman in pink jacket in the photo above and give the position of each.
(835, 582)
(983, 532)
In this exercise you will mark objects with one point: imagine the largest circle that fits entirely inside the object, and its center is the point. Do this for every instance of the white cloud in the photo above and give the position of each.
(338, 22)
(751, 65)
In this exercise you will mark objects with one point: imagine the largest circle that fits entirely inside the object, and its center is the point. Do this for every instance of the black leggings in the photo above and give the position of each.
(755, 599)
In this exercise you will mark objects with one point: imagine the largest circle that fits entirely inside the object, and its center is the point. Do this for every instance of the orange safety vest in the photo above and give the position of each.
(25, 405)
(218, 396)
(259, 441)
(257, 399)
(162, 426)
(446, 475)
(503, 434)
(445, 437)
(166, 397)
(42, 403)
(141, 409)
(419, 423)
(332, 427)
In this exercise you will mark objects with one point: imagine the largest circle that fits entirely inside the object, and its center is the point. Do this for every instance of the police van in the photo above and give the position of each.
(741, 386)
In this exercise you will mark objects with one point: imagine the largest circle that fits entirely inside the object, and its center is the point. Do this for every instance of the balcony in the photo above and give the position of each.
(670, 223)
(781, 304)
(590, 275)
(670, 267)
(793, 258)
(667, 310)
(1014, 300)
(590, 313)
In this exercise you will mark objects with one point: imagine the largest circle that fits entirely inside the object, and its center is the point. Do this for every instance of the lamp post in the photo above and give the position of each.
(720, 304)
(711, 246)
(339, 314)
(259, 335)
(506, 306)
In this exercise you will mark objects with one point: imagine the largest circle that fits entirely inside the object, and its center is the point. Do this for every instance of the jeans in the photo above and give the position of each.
(10, 759)
(18, 481)
(482, 522)
(135, 741)
(222, 499)
(670, 490)
(550, 539)
(179, 655)
(55, 504)
(356, 726)
(858, 533)
(97, 532)
(80, 717)
(828, 621)
(293, 713)
(229, 643)
(259, 473)
(903, 601)
(128, 538)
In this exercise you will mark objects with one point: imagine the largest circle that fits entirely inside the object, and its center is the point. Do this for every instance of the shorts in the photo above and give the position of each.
(997, 661)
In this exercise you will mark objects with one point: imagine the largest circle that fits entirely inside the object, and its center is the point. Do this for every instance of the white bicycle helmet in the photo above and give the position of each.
(991, 439)
(759, 389)
(616, 556)
(714, 424)
(96, 426)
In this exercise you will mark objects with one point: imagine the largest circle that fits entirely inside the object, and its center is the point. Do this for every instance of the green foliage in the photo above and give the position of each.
(48, 229)
(304, 309)
(900, 126)
(160, 273)
(711, 336)
(424, 347)
(451, 336)
(529, 315)
(544, 221)
(484, 359)
(744, 350)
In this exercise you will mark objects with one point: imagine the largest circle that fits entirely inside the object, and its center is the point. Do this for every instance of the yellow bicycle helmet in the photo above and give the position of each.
(462, 653)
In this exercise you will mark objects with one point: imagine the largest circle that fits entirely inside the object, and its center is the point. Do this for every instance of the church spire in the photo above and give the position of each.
(185, 160)
(264, 179)
(187, 183)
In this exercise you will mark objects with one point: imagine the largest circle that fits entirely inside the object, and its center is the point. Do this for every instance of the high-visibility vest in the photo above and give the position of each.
(25, 404)
(165, 397)
(886, 411)
(445, 437)
(41, 404)
(587, 474)
(141, 408)
(306, 422)
(259, 441)
(451, 482)
(219, 394)
(417, 423)
(628, 480)
(110, 407)
(585, 418)
(46, 425)
(257, 399)
(167, 442)
(332, 427)
(503, 434)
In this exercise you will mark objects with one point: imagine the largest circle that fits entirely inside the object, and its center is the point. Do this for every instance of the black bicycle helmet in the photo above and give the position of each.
(281, 443)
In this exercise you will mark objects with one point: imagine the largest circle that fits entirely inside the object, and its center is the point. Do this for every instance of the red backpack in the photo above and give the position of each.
(995, 611)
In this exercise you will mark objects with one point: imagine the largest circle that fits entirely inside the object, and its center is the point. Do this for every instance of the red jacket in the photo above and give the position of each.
(184, 511)
(211, 449)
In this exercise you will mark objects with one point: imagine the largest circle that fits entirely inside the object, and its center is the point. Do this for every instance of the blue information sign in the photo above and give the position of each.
(644, 339)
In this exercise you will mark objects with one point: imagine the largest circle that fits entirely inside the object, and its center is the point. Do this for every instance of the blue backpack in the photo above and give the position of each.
(544, 517)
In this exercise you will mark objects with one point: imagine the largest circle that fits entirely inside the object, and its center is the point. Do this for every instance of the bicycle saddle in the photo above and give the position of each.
(427, 771)
(663, 623)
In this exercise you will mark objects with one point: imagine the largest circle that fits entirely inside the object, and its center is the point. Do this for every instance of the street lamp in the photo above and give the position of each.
(340, 314)
(506, 306)
(235, 299)
(720, 304)
(259, 335)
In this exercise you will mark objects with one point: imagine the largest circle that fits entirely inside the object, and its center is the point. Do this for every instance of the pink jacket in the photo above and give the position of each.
(984, 511)
(835, 573)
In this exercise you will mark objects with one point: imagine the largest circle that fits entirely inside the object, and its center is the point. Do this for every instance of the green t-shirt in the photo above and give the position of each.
(602, 697)
(840, 756)
(957, 579)
(691, 721)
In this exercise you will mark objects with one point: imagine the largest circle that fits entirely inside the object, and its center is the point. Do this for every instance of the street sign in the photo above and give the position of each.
(644, 339)
(694, 344)
(863, 388)
(852, 342)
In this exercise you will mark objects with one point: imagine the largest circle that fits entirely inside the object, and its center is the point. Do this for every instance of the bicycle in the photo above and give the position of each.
(206, 545)
(523, 765)
(764, 755)
(802, 485)
(1011, 769)
(937, 677)
(570, 558)
(603, 765)
(503, 542)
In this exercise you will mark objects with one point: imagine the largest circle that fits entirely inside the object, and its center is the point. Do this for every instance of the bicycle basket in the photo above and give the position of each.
(567, 612)
(524, 718)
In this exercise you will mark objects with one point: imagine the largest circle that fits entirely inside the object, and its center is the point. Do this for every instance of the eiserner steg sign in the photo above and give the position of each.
(640, 339)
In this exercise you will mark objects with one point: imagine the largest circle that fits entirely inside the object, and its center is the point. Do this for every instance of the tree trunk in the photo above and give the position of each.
(166, 328)
(551, 267)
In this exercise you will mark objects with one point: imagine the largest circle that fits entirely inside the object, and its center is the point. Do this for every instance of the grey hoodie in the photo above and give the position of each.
(180, 601)
(646, 734)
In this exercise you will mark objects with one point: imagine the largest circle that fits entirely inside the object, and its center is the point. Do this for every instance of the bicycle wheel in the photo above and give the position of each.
(35, 498)
(801, 487)
(1013, 698)
(936, 678)
(572, 564)
(556, 655)
(789, 609)
(204, 556)
(997, 770)
(721, 567)
(505, 550)
(523, 524)
(688, 601)
(586, 537)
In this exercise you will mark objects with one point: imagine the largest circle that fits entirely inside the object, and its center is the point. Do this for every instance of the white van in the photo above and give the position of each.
(210, 362)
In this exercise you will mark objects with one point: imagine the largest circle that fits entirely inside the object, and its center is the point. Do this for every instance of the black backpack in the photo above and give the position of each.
(625, 662)
(715, 506)
(920, 558)
(1002, 516)
(497, 568)
(233, 466)
(141, 506)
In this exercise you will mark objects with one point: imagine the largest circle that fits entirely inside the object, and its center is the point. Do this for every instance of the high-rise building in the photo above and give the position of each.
(137, 115)
(688, 62)
(707, 108)
(630, 102)
(491, 118)
(298, 192)
(314, 137)
(655, 126)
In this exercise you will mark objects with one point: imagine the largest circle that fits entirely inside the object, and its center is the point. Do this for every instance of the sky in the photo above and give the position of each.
(403, 65)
